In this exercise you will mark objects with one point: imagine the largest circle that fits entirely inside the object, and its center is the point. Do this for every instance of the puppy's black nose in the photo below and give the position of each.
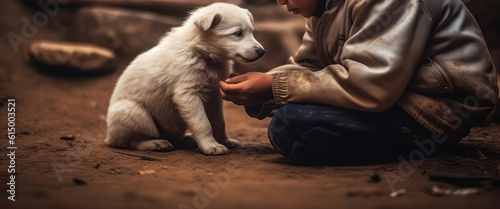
(261, 52)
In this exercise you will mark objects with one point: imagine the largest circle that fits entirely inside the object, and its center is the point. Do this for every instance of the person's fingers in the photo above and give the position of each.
(237, 99)
(224, 95)
(229, 88)
(236, 79)
(233, 74)
(232, 98)
(224, 87)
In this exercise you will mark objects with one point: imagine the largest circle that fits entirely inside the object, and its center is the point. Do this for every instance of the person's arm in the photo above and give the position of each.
(305, 59)
(377, 60)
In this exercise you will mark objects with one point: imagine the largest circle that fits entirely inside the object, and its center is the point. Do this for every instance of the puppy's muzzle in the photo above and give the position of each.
(261, 52)
(252, 55)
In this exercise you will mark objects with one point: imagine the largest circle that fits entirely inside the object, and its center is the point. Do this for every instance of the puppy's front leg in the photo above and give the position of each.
(192, 111)
(215, 113)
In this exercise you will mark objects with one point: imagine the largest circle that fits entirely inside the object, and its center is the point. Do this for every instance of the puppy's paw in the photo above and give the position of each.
(160, 145)
(214, 149)
(231, 143)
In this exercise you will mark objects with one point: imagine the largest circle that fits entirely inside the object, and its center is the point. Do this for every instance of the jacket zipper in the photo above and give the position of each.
(440, 74)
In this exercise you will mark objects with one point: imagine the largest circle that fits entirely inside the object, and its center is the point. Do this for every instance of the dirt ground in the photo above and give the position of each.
(84, 173)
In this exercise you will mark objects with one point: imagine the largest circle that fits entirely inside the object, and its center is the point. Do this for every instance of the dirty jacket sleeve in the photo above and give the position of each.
(376, 64)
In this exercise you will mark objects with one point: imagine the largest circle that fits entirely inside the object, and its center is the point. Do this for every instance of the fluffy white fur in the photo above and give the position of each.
(171, 90)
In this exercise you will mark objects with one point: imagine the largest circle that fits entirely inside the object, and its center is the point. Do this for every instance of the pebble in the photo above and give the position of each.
(79, 181)
(374, 177)
(68, 137)
(147, 172)
(398, 193)
(461, 191)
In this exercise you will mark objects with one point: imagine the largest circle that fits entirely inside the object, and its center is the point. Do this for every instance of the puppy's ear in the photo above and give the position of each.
(249, 15)
(206, 22)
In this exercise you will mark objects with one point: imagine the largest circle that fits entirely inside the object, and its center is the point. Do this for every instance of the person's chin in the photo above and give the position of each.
(305, 15)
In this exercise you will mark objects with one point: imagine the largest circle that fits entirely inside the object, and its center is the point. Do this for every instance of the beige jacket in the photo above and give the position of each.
(427, 56)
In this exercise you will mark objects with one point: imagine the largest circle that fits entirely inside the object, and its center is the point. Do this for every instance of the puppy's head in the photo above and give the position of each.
(228, 29)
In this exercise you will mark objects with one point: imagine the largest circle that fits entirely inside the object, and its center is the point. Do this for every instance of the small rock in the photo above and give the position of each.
(374, 178)
(389, 169)
(398, 193)
(79, 181)
(97, 166)
(68, 137)
(462, 191)
(73, 56)
(147, 172)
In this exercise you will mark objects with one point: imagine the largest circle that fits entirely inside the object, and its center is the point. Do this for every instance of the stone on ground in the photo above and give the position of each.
(73, 56)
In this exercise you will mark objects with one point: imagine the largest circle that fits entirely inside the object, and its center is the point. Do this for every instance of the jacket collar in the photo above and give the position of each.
(325, 5)
(331, 4)
(320, 9)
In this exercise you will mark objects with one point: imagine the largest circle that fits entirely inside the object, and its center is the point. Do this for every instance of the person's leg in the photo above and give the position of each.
(320, 133)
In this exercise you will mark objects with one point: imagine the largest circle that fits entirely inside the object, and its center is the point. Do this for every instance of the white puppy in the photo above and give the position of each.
(172, 89)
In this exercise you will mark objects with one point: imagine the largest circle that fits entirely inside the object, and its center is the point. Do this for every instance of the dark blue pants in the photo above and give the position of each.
(329, 134)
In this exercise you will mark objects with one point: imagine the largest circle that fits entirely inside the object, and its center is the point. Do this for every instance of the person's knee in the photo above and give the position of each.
(303, 132)
(284, 118)
(286, 128)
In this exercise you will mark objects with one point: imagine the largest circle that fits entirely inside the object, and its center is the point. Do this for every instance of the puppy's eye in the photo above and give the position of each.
(238, 33)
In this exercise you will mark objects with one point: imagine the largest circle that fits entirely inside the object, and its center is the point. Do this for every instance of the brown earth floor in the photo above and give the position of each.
(84, 173)
(50, 106)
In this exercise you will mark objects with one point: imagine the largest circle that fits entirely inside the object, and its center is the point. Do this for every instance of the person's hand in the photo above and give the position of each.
(248, 89)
